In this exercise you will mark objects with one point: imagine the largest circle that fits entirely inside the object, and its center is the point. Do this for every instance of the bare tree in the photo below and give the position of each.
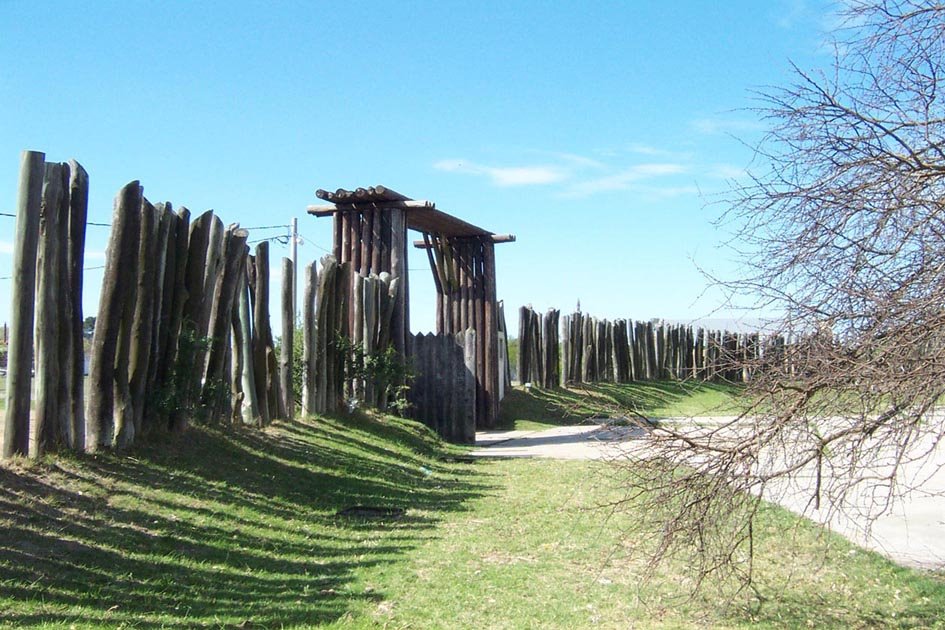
(843, 232)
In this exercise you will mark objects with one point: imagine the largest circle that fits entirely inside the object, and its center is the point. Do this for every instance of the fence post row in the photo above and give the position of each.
(589, 350)
(182, 328)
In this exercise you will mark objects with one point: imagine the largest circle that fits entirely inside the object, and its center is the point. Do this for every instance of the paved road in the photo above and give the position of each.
(912, 534)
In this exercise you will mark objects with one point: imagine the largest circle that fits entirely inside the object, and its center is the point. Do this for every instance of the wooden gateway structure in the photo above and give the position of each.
(371, 226)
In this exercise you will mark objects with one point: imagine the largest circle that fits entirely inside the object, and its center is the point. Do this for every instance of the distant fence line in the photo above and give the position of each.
(579, 348)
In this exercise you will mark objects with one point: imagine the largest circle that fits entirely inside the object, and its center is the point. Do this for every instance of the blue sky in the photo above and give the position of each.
(598, 132)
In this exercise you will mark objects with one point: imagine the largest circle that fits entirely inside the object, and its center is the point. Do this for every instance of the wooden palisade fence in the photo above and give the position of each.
(182, 329)
(591, 350)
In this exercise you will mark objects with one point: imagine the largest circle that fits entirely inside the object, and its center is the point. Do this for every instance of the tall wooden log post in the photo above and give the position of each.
(143, 319)
(16, 424)
(489, 329)
(262, 377)
(217, 392)
(250, 412)
(398, 270)
(118, 292)
(75, 260)
(160, 312)
(286, 358)
(308, 339)
(211, 277)
(46, 429)
(175, 298)
(193, 324)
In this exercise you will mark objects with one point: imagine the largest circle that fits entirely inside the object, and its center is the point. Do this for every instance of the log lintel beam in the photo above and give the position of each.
(407, 204)
(495, 238)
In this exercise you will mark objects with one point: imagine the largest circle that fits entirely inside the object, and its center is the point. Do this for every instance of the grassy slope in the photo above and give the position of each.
(219, 529)
(536, 409)
(239, 530)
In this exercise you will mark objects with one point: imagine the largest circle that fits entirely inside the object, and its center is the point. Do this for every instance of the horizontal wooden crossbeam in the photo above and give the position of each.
(495, 238)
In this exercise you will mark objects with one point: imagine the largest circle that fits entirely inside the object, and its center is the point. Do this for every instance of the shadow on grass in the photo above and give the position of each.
(218, 528)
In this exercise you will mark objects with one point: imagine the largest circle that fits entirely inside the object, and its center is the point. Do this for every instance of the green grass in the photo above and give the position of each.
(538, 408)
(538, 553)
(216, 529)
(240, 530)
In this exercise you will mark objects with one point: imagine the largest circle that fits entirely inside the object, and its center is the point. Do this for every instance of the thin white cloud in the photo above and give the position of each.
(6, 247)
(624, 179)
(573, 175)
(580, 161)
(94, 254)
(795, 11)
(717, 126)
(657, 152)
(726, 171)
(507, 175)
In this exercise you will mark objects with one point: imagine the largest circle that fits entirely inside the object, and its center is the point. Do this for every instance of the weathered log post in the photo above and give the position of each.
(288, 340)
(250, 412)
(550, 353)
(398, 270)
(117, 292)
(160, 314)
(524, 345)
(308, 339)
(369, 315)
(589, 358)
(216, 395)
(16, 425)
(123, 435)
(536, 363)
(491, 356)
(322, 335)
(173, 298)
(261, 331)
(189, 370)
(143, 318)
(469, 412)
(565, 350)
(45, 430)
(211, 277)
(505, 377)
(75, 255)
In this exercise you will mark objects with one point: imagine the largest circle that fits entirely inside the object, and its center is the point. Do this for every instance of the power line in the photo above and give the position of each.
(314, 244)
(268, 227)
(84, 269)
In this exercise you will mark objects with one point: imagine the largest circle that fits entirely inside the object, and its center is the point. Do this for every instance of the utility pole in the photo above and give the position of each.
(295, 267)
